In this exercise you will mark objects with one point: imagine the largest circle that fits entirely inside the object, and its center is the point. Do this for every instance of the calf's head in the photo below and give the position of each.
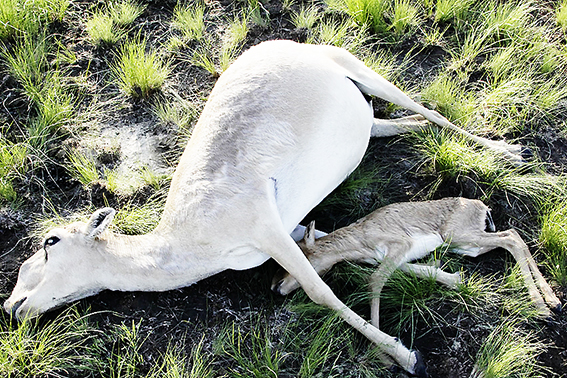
(63, 270)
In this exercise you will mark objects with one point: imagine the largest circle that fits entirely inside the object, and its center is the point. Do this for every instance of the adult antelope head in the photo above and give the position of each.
(64, 269)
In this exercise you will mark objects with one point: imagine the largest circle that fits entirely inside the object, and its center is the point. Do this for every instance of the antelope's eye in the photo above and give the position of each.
(51, 241)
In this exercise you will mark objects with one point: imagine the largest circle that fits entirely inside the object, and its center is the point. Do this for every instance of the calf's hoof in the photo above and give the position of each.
(277, 284)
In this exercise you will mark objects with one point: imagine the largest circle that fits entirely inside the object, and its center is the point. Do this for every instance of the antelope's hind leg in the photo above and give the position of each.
(474, 245)
(550, 298)
(396, 126)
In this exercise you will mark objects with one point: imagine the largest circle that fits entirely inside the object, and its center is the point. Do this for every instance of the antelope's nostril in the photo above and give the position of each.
(17, 305)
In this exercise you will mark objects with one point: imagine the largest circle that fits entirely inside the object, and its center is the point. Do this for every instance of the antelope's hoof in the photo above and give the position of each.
(526, 153)
(283, 283)
(420, 370)
(558, 309)
(276, 285)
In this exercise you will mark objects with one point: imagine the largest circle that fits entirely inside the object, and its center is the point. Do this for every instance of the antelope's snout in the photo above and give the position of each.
(12, 307)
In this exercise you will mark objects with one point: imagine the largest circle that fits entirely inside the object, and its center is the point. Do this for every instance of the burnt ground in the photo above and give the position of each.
(449, 341)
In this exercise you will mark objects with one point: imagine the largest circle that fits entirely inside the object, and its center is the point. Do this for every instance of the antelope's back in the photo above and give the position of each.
(283, 121)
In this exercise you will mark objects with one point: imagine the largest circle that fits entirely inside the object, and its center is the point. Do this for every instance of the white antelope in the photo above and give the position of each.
(402, 232)
(244, 182)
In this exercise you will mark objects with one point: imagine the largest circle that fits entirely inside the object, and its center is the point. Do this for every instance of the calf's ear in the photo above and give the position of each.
(99, 221)
(309, 237)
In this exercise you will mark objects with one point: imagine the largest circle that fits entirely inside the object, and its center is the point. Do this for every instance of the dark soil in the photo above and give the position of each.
(449, 347)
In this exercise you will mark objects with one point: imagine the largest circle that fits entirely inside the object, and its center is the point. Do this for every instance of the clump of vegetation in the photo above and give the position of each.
(101, 29)
(553, 237)
(125, 357)
(83, 169)
(453, 158)
(178, 113)
(561, 15)
(176, 364)
(29, 62)
(20, 17)
(263, 361)
(13, 158)
(216, 59)
(366, 12)
(30, 349)
(190, 21)
(447, 10)
(509, 351)
(107, 26)
(140, 72)
(126, 12)
(404, 17)
(332, 32)
(137, 220)
(305, 18)
(448, 96)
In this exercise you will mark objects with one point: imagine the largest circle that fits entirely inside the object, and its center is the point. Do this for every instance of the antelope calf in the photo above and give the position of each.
(403, 232)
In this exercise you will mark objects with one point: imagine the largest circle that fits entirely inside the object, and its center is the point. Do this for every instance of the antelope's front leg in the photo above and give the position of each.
(284, 250)
(284, 283)
(451, 280)
(395, 256)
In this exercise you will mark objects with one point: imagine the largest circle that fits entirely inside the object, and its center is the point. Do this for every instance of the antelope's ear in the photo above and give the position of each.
(99, 221)
(309, 237)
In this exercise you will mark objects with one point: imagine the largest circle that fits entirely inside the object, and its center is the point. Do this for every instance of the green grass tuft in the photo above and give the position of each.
(13, 164)
(133, 219)
(449, 97)
(553, 238)
(190, 21)
(452, 157)
(27, 61)
(107, 26)
(509, 351)
(83, 169)
(125, 358)
(236, 33)
(561, 15)
(7, 191)
(306, 17)
(179, 113)
(140, 72)
(32, 349)
(175, 364)
(370, 13)
(21, 17)
(447, 10)
(13, 158)
(125, 12)
(405, 17)
(204, 57)
(102, 30)
(44, 85)
(253, 351)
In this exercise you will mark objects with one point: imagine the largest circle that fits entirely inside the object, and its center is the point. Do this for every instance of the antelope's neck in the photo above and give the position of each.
(346, 244)
(153, 263)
